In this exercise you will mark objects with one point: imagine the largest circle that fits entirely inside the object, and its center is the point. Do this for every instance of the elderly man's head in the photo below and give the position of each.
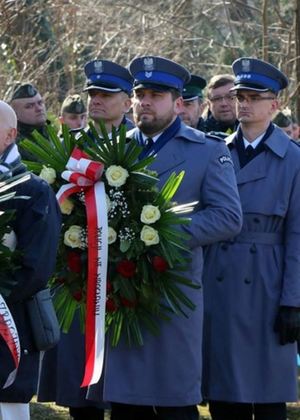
(8, 126)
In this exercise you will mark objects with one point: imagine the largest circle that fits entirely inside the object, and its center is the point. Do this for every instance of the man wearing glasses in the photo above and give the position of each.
(252, 283)
(221, 113)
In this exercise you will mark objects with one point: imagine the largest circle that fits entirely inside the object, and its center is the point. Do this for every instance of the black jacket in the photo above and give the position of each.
(211, 125)
(25, 132)
(36, 224)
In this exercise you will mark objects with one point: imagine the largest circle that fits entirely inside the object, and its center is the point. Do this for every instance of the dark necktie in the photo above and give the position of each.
(249, 152)
(148, 143)
(260, 148)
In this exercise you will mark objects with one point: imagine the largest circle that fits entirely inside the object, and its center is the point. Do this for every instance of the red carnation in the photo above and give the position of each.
(74, 261)
(110, 305)
(77, 295)
(126, 268)
(128, 303)
(159, 264)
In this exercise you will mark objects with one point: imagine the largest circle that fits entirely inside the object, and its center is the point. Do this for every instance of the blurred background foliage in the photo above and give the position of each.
(47, 42)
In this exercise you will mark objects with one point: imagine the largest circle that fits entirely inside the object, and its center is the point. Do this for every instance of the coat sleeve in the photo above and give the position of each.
(37, 226)
(290, 292)
(218, 215)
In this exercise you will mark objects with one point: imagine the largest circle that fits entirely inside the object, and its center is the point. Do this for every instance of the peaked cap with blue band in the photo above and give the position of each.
(107, 76)
(158, 73)
(193, 89)
(257, 75)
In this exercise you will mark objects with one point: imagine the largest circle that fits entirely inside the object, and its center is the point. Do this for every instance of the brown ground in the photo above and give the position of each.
(48, 411)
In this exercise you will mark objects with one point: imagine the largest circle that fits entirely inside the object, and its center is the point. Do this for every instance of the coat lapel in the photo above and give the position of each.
(172, 153)
(168, 158)
(257, 168)
(254, 170)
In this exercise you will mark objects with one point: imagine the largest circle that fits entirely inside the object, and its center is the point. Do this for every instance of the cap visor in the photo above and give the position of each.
(102, 88)
(242, 86)
(191, 98)
(152, 86)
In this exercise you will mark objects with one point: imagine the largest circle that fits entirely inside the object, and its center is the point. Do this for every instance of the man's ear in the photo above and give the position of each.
(127, 104)
(178, 105)
(10, 137)
(275, 106)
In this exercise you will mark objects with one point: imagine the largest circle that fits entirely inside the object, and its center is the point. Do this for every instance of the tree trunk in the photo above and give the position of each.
(265, 40)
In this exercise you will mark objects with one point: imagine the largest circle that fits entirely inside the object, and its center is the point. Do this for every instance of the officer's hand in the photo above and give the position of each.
(287, 324)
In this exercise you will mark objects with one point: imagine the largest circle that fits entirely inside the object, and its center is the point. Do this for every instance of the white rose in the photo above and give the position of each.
(150, 214)
(73, 236)
(112, 235)
(149, 236)
(48, 174)
(10, 240)
(116, 175)
(66, 207)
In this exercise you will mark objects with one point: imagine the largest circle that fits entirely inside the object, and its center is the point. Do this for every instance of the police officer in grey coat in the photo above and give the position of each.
(252, 283)
(162, 379)
(108, 85)
(109, 88)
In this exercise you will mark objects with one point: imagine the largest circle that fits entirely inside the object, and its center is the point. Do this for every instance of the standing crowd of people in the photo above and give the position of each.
(237, 350)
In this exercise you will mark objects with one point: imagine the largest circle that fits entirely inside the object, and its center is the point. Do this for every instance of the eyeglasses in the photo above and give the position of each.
(253, 99)
(219, 99)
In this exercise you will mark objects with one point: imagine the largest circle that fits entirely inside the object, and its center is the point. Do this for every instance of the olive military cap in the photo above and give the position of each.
(73, 104)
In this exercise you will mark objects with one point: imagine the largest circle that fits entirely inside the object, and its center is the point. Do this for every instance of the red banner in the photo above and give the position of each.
(84, 175)
(9, 333)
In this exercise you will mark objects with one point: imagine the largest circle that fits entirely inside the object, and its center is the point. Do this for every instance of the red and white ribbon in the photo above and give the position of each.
(85, 175)
(9, 333)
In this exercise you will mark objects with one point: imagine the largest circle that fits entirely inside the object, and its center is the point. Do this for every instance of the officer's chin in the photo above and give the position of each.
(187, 122)
(40, 121)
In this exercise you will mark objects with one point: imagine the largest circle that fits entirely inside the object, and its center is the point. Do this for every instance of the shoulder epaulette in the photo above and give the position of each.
(295, 142)
(216, 135)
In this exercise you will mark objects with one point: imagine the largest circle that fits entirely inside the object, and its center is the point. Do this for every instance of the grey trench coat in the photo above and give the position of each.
(248, 278)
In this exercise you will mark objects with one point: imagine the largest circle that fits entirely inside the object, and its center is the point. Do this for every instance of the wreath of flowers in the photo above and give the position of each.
(147, 255)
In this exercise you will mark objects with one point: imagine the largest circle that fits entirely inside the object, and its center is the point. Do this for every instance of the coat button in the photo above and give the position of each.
(253, 249)
(224, 246)
(219, 278)
(256, 220)
(247, 281)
